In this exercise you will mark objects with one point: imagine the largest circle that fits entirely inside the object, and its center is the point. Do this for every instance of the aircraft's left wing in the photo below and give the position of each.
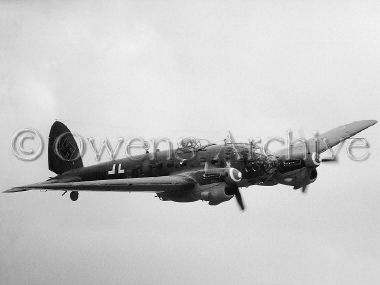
(143, 184)
(328, 139)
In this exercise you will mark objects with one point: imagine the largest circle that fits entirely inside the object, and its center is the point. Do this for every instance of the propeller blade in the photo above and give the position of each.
(239, 199)
(234, 190)
(304, 189)
(323, 160)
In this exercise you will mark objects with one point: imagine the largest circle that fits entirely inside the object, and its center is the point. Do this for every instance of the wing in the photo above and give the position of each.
(327, 140)
(143, 184)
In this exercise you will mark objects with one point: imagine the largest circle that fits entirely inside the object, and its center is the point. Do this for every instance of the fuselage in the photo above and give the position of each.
(255, 168)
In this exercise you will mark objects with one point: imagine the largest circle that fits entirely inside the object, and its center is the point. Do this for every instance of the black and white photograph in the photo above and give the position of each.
(189, 142)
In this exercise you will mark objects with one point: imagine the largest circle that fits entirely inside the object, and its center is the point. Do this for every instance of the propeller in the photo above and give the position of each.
(314, 159)
(234, 190)
(232, 178)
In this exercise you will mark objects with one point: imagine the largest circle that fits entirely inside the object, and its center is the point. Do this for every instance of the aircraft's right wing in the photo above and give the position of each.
(332, 138)
(183, 181)
(143, 184)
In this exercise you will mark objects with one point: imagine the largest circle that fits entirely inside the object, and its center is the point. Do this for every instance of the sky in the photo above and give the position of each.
(190, 68)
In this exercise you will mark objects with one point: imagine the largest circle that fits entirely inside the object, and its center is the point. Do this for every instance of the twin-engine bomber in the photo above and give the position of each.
(212, 173)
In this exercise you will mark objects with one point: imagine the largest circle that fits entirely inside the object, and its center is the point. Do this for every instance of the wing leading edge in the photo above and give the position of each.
(143, 184)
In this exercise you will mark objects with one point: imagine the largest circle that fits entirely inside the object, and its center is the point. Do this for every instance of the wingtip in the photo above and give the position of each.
(16, 189)
(9, 190)
(370, 123)
(373, 122)
(366, 123)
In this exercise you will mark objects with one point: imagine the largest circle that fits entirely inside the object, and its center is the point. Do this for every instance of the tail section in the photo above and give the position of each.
(63, 151)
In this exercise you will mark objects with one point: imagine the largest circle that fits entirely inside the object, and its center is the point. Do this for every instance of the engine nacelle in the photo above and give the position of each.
(231, 176)
(299, 178)
(216, 195)
(313, 160)
(313, 174)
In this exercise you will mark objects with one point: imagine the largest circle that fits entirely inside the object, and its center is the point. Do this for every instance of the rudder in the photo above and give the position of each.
(63, 151)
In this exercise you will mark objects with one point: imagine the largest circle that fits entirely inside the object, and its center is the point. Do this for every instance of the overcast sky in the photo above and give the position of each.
(199, 68)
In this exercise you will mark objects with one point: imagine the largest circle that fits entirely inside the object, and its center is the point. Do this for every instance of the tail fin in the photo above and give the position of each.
(63, 151)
